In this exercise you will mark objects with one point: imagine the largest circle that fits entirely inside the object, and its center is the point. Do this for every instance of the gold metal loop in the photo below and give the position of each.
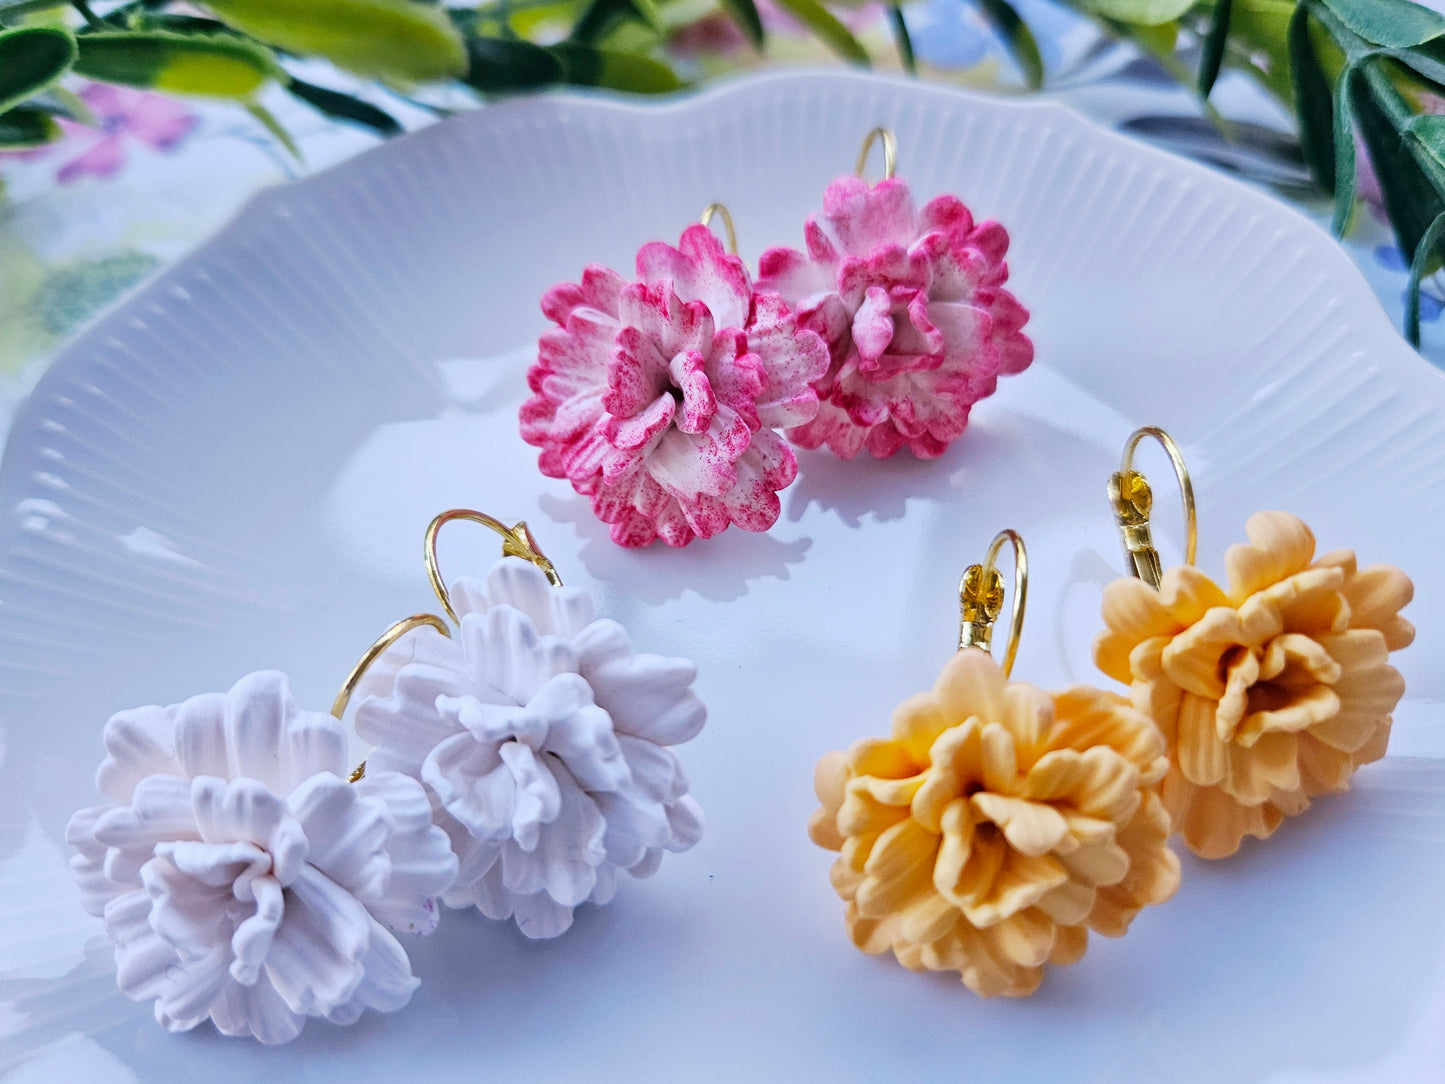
(727, 221)
(516, 542)
(890, 152)
(367, 660)
(1132, 500)
(981, 595)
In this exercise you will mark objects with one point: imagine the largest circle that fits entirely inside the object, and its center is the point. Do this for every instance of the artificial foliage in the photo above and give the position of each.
(1356, 73)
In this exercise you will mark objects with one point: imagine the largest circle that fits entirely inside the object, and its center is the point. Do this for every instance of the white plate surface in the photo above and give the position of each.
(234, 469)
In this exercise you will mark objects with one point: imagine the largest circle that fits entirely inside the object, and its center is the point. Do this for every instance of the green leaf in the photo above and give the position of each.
(602, 16)
(1211, 57)
(396, 39)
(1312, 102)
(271, 124)
(26, 127)
(1018, 37)
(1424, 257)
(502, 65)
(344, 107)
(1343, 136)
(834, 34)
(745, 14)
(903, 40)
(31, 58)
(1140, 12)
(1395, 24)
(1412, 197)
(222, 67)
(589, 67)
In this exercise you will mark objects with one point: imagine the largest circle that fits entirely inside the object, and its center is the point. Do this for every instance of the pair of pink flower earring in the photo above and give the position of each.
(999, 824)
(666, 400)
(518, 767)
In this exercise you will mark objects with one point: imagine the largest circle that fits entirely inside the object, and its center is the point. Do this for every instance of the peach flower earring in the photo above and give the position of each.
(1270, 690)
(999, 823)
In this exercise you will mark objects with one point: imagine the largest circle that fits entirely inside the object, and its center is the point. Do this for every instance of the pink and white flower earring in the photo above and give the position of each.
(660, 399)
(242, 877)
(912, 306)
(542, 739)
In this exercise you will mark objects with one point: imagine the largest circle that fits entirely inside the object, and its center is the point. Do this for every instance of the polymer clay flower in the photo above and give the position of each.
(913, 308)
(659, 399)
(1269, 692)
(996, 827)
(242, 878)
(543, 742)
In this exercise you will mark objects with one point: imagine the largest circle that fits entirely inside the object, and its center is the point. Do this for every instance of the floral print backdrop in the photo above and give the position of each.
(85, 219)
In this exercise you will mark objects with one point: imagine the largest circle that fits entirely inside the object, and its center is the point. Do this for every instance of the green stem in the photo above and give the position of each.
(91, 17)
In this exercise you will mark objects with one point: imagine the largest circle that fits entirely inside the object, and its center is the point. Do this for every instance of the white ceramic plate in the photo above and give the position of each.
(234, 469)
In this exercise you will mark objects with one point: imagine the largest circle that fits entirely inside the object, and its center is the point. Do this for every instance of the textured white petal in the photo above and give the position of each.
(201, 736)
(537, 800)
(216, 865)
(539, 916)
(252, 939)
(257, 1011)
(684, 818)
(505, 651)
(655, 769)
(423, 865)
(258, 708)
(648, 864)
(386, 984)
(570, 848)
(346, 832)
(581, 734)
(421, 646)
(96, 889)
(633, 822)
(244, 810)
(189, 913)
(475, 857)
(472, 784)
(138, 743)
(487, 893)
(648, 696)
(123, 864)
(315, 959)
(191, 988)
(160, 809)
(313, 742)
(492, 724)
(555, 611)
(606, 886)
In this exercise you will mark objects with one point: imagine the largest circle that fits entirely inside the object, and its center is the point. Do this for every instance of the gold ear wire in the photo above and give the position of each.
(890, 152)
(374, 652)
(516, 542)
(981, 595)
(1132, 500)
(727, 220)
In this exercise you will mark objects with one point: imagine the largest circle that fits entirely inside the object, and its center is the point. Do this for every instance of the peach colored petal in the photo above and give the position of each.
(1194, 659)
(1069, 945)
(1029, 715)
(1069, 903)
(1188, 594)
(1216, 824)
(823, 830)
(1271, 763)
(1201, 756)
(975, 879)
(1376, 595)
(1240, 674)
(971, 684)
(1323, 768)
(1307, 708)
(1000, 760)
(1132, 614)
(1022, 880)
(1100, 865)
(1280, 545)
(1030, 827)
(1026, 938)
(1088, 716)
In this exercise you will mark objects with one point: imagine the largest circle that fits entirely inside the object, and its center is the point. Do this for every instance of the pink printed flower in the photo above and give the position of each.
(159, 122)
(659, 399)
(914, 311)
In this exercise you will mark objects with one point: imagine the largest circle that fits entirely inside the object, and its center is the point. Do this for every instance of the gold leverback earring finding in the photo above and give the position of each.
(1270, 690)
(998, 823)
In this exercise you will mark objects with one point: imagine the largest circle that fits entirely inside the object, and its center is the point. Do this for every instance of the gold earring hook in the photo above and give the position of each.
(1132, 500)
(890, 152)
(980, 597)
(727, 221)
(368, 659)
(516, 542)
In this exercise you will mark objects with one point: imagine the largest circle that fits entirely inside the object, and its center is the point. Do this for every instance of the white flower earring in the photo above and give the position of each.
(542, 739)
(240, 874)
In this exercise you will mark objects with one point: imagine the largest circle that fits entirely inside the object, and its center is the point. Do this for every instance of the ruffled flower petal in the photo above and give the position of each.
(647, 395)
(1268, 694)
(914, 312)
(547, 764)
(244, 879)
(995, 826)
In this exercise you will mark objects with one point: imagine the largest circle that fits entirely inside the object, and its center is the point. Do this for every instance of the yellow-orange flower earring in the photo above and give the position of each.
(1269, 691)
(999, 823)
